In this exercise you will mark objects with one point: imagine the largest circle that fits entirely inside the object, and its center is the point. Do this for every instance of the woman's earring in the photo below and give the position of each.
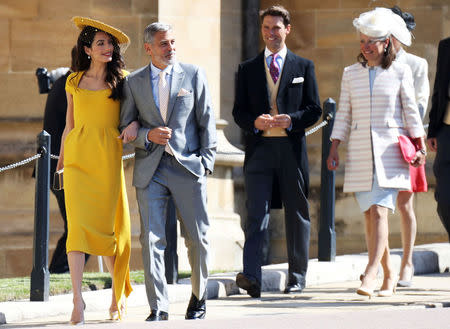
(89, 57)
(385, 50)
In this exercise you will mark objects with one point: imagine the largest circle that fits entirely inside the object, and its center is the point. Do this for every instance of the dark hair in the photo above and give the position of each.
(277, 10)
(114, 75)
(407, 17)
(388, 57)
(73, 55)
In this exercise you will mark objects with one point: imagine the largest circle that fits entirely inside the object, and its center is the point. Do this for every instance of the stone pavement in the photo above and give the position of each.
(329, 296)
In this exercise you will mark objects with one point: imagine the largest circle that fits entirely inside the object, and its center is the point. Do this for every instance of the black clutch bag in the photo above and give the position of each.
(58, 180)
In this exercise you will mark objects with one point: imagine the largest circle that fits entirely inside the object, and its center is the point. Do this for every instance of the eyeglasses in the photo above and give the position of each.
(371, 42)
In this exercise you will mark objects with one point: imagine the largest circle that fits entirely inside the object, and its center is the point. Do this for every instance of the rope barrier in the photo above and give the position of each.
(319, 126)
(20, 163)
(52, 156)
(131, 155)
(128, 156)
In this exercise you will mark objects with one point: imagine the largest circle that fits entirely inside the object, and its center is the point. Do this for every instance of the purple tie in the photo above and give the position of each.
(274, 69)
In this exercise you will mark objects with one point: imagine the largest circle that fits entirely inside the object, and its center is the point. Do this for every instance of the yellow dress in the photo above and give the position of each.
(98, 217)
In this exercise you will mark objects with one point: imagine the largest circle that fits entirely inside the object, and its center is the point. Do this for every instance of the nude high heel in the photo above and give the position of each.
(114, 315)
(388, 292)
(406, 283)
(79, 323)
(365, 292)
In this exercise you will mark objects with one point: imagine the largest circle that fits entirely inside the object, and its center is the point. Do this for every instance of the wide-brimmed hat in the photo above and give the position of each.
(407, 17)
(122, 38)
(376, 23)
(400, 31)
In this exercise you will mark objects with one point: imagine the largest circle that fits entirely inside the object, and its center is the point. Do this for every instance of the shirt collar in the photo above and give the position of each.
(400, 53)
(155, 71)
(282, 53)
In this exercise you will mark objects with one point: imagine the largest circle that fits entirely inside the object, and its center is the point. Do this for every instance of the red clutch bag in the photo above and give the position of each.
(417, 174)
(407, 148)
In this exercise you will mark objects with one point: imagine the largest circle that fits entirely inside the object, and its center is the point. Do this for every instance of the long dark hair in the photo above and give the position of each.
(114, 75)
(386, 61)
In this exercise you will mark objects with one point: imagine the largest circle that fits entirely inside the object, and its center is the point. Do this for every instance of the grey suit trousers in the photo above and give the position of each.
(189, 195)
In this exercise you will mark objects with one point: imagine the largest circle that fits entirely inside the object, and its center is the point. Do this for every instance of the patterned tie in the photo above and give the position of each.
(163, 94)
(274, 69)
(164, 88)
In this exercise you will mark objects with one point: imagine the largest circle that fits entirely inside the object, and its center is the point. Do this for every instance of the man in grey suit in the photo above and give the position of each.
(175, 149)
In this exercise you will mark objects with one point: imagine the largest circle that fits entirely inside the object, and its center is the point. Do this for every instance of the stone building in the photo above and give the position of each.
(215, 35)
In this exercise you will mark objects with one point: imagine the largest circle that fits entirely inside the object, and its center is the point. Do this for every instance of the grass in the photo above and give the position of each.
(19, 288)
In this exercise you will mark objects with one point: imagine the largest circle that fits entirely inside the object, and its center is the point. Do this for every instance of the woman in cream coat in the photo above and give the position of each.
(419, 67)
(376, 106)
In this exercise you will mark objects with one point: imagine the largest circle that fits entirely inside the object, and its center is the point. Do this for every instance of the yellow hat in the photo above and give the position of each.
(82, 22)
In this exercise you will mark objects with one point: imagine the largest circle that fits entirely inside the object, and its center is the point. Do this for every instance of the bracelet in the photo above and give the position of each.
(423, 151)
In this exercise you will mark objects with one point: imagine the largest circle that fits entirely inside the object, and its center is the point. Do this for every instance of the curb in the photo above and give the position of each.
(430, 258)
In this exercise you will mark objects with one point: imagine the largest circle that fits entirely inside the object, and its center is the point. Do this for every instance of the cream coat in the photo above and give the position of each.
(419, 69)
(371, 125)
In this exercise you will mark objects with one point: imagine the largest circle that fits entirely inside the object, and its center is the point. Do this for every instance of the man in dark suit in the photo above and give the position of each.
(439, 132)
(54, 123)
(276, 100)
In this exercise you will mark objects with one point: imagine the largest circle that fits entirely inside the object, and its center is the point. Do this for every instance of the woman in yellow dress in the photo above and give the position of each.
(91, 150)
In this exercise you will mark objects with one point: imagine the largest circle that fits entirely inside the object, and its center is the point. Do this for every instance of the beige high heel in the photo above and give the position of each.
(406, 283)
(79, 323)
(114, 315)
(365, 292)
(388, 292)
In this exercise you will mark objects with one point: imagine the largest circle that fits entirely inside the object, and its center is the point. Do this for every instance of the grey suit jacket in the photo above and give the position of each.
(190, 116)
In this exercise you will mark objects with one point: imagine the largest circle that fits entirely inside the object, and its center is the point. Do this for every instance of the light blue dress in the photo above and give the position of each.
(385, 197)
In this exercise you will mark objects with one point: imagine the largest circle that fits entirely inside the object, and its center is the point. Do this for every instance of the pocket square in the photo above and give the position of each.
(183, 92)
(298, 80)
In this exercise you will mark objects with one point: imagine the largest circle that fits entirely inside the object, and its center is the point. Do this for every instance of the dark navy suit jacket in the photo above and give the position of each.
(299, 100)
(440, 99)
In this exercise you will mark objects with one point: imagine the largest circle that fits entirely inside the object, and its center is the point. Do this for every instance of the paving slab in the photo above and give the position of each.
(330, 286)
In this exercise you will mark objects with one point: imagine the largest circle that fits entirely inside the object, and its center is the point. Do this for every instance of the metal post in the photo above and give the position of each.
(40, 277)
(327, 234)
(100, 263)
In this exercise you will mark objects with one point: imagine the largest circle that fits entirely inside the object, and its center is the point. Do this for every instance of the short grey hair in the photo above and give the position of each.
(153, 28)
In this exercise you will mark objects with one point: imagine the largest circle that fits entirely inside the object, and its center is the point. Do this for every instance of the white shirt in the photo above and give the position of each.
(280, 59)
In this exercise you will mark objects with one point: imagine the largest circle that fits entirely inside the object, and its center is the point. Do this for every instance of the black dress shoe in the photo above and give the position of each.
(252, 286)
(156, 315)
(196, 309)
(296, 287)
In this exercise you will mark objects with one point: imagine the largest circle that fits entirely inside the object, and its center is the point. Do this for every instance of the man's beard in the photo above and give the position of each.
(172, 60)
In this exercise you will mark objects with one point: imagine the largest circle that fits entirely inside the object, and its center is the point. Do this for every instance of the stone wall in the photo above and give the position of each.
(36, 33)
